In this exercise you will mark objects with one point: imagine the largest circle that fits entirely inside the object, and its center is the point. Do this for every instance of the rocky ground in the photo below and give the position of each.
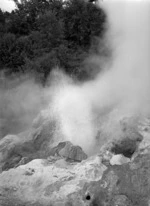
(35, 170)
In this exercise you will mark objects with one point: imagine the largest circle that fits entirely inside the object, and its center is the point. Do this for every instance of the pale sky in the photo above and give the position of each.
(7, 5)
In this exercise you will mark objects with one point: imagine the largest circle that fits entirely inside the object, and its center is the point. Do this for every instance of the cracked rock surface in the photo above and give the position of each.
(34, 172)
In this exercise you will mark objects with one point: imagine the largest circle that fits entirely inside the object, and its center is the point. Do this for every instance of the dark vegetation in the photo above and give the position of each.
(42, 34)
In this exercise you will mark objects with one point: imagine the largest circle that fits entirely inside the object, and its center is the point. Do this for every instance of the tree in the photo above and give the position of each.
(83, 21)
(41, 34)
(2, 23)
(51, 31)
(29, 11)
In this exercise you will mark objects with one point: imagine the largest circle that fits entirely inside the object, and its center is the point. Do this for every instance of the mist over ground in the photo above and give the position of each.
(20, 100)
(86, 110)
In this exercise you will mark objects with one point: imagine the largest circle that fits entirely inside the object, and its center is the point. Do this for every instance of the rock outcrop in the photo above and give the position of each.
(37, 172)
(44, 182)
(124, 185)
(14, 151)
(68, 151)
(32, 144)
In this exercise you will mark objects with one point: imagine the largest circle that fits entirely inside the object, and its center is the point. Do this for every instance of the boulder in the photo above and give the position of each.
(119, 159)
(127, 144)
(34, 143)
(68, 151)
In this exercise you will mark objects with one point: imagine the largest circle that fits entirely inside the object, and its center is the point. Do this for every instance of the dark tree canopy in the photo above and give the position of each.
(41, 34)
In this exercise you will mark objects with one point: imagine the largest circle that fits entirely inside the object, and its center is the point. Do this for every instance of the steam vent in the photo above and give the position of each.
(78, 133)
(35, 171)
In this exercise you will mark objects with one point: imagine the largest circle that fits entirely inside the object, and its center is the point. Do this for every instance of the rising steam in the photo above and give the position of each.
(84, 110)
(124, 88)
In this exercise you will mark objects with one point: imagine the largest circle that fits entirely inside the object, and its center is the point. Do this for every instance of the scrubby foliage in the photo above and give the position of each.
(42, 34)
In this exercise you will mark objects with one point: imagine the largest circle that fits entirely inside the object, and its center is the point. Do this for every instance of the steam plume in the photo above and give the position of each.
(85, 111)
(123, 88)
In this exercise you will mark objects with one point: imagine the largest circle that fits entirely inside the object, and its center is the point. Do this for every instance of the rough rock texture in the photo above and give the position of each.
(57, 182)
(43, 182)
(124, 185)
(41, 174)
(128, 140)
(35, 143)
(119, 159)
(14, 151)
(68, 151)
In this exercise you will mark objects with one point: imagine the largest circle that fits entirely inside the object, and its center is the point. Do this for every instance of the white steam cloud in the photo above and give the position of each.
(125, 87)
(21, 99)
(85, 111)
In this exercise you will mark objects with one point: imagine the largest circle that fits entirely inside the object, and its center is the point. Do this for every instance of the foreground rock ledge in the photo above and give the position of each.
(124, 185)
(62, 176)
(45, 182)
(61, 183)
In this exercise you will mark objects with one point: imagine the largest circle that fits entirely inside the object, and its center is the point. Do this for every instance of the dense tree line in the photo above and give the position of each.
(42, 34)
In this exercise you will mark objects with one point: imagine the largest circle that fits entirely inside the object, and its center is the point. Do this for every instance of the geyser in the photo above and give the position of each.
(121, 90)
(89, 113)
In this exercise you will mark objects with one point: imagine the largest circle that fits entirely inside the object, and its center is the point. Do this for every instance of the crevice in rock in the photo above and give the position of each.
(127, 147)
